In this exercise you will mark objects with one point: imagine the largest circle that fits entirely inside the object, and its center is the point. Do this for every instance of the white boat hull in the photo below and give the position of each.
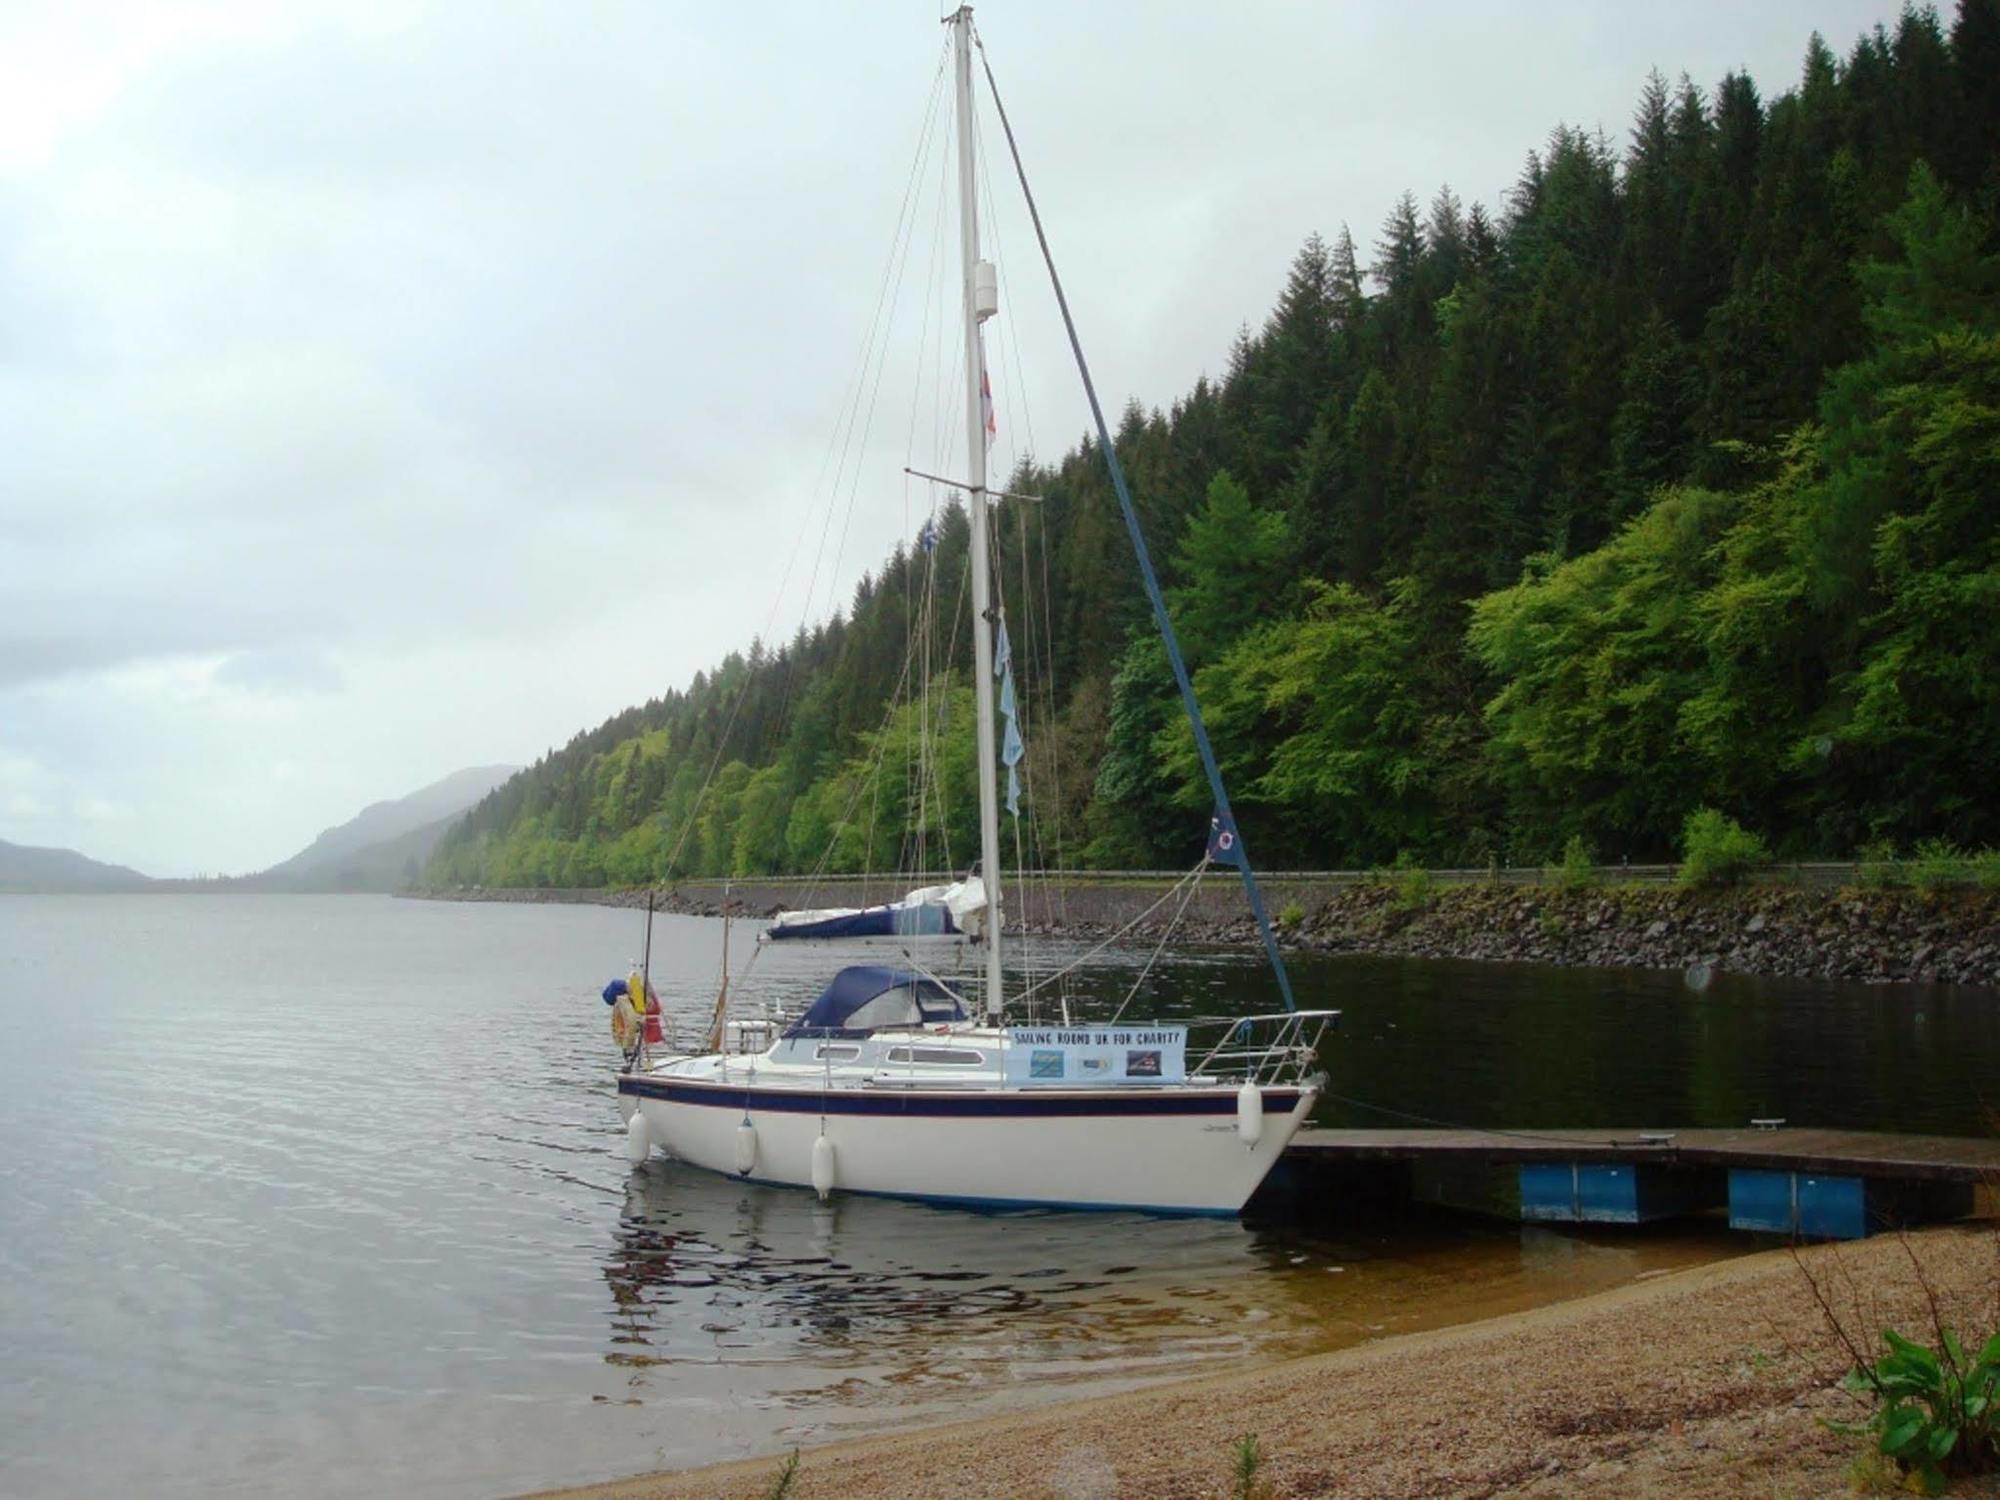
(1170, 1150)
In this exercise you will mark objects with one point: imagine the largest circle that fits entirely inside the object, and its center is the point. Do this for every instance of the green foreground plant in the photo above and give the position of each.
(1935, 1416)
(781, 1482)
(1246, 1467)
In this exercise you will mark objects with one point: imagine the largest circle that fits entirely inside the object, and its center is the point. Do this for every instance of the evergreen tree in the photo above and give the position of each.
(1233, 560)
(1649, 433)
(1681, 466)
(1973, 157)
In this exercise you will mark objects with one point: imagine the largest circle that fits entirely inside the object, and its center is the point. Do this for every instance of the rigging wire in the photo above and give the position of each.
(1083, 958)
(897, 695)
(869, 777)
(1037, 640)
(926, 136)
(1223, 818)
(1165, 933)
(898, 239)
(958, 613)
(854, 487)
(933, 296)
(872, 354)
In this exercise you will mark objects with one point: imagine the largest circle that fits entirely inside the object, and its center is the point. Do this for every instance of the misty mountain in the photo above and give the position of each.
(386, 844)
(23, 867)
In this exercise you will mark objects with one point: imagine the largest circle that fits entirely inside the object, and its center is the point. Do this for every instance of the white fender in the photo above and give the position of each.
(822, 1167)
(746, 1148)
(638, 1139)
(1250, 1113)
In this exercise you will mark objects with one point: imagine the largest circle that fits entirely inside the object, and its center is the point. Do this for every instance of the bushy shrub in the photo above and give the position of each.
(1935, 865)
(1877, 866)
(1412, 883)
(1718, 850)
(1578, 869)
(1939, 865)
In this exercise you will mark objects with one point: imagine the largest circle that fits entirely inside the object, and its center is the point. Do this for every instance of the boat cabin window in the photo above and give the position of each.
(956, 1057)
(836, 1052)
(902, 1006)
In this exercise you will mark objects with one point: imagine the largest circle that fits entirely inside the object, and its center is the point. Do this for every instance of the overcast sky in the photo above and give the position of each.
(389, 388)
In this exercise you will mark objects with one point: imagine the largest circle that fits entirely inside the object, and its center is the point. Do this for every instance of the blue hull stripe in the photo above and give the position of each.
(1051, 1104)
(990, 1205)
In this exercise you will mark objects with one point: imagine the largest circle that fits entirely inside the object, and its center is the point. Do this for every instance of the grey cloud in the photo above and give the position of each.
(30, 658)
(282, 671)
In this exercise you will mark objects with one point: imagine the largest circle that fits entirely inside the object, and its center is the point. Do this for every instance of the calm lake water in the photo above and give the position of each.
(325, 1196)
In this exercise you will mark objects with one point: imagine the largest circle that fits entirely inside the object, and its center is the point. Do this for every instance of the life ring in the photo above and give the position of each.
(624, 1024)
(646, 1005)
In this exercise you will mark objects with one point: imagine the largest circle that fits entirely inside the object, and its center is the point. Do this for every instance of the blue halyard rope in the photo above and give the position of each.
(1208, 765)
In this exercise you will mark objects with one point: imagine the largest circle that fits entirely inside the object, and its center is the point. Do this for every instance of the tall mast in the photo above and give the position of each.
(978, 302)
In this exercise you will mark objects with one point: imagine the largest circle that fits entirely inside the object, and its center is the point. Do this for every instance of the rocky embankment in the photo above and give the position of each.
(1872, 935)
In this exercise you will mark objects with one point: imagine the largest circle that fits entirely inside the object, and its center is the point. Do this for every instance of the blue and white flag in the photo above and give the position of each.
(1224, 846)
(928, 537)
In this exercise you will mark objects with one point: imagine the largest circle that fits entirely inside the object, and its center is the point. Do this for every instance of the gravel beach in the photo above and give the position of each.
(1711, 1382)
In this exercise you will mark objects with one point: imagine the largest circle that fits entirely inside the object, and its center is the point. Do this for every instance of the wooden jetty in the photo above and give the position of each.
(1838, 1184)
(1854, 1153)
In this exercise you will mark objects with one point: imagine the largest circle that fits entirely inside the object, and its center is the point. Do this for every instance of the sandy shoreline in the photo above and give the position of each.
(1709, 1382)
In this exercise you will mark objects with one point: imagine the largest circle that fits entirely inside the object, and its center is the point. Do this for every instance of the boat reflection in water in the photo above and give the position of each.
(892, 1301)
(859, 1312)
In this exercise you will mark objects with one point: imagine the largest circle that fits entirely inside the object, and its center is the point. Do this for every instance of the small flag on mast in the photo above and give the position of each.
(1011, 748)
(986, 399)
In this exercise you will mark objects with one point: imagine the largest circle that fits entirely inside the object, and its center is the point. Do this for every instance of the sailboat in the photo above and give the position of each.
(933, 911)
(894, 1082)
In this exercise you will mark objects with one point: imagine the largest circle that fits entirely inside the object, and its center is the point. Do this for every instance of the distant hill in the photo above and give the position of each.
(386, 844)
(25, 868)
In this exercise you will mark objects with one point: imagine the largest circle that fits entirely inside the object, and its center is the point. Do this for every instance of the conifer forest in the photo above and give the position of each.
(1671, 482)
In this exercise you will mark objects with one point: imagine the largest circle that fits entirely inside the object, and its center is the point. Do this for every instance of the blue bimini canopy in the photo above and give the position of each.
(865, 998)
